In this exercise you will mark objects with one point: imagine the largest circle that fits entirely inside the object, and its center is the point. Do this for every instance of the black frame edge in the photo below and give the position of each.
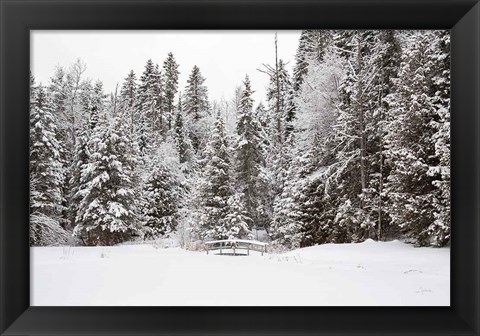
(465, 163)
(14, 256)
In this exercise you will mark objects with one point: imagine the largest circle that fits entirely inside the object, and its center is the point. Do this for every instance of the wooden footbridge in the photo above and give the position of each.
(234, 246)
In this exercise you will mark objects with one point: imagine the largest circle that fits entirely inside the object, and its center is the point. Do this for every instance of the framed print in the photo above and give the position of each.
(166, 198)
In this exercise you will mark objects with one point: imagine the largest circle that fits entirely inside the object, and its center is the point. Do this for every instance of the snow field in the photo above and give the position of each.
(365, 274)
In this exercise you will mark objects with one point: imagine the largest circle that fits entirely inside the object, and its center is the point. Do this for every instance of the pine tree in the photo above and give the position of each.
(170, 75)
(280, 98)
(237, 222)
(161, 192)
(216, 189)
(46, 171)
(311, 47)
(149, 103)
(196, 107)
(248, 157)
(107, 209)
(316, 212)
(128, 99)
(182, 141)
(80, 161)
(386, 57)
(439, 230)
(410, 145)
(286, 226)
(354, 128)
(58, 93)
(45, 150)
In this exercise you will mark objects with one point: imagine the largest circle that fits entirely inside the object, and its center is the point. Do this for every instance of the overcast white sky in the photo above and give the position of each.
(224, 57)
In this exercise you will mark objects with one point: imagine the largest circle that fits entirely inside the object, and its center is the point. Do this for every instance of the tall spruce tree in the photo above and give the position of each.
(216, 188)
(128, 99)
(311, 47)
(249, 160)
(170, 78)
(182, 141)
(45, 155)
(161, 192)
(410, 145)
(196, 107)
(280, 98)
(46, 172)
(439, 230)
(352, 134)
(107, 210)
(149, 107)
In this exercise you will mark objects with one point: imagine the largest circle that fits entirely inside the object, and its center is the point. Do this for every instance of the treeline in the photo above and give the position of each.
(355, 144)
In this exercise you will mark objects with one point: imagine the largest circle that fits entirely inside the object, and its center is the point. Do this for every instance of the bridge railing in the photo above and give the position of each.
(236, 245)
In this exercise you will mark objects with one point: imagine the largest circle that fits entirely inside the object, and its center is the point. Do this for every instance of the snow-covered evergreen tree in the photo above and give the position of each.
(59, 95)
(222, 216)
(249, 160)
(46, 171)
(196, 108)
(411, 145)
(280, 104)
(439, 230)
(149, 103)
(170, 78)
(161, 192)
(182, 141)
(107, 210)
(311, 47)
(237, 222)
(81, 158)
(353, 128)
(285, 226)
(45, 150)
(128, 99)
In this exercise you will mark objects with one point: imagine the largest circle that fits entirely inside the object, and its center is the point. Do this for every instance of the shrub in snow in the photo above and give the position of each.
(45, 231)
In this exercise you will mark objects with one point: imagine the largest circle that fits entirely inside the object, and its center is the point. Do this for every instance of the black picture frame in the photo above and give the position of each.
(18, 17)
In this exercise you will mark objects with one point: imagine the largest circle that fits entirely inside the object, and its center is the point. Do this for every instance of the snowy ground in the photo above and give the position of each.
(369, 273)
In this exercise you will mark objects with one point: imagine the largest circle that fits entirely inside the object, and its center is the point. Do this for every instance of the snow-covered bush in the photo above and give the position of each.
(45, 231)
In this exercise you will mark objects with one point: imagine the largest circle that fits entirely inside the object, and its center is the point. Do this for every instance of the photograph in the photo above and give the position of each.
(239, 168)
